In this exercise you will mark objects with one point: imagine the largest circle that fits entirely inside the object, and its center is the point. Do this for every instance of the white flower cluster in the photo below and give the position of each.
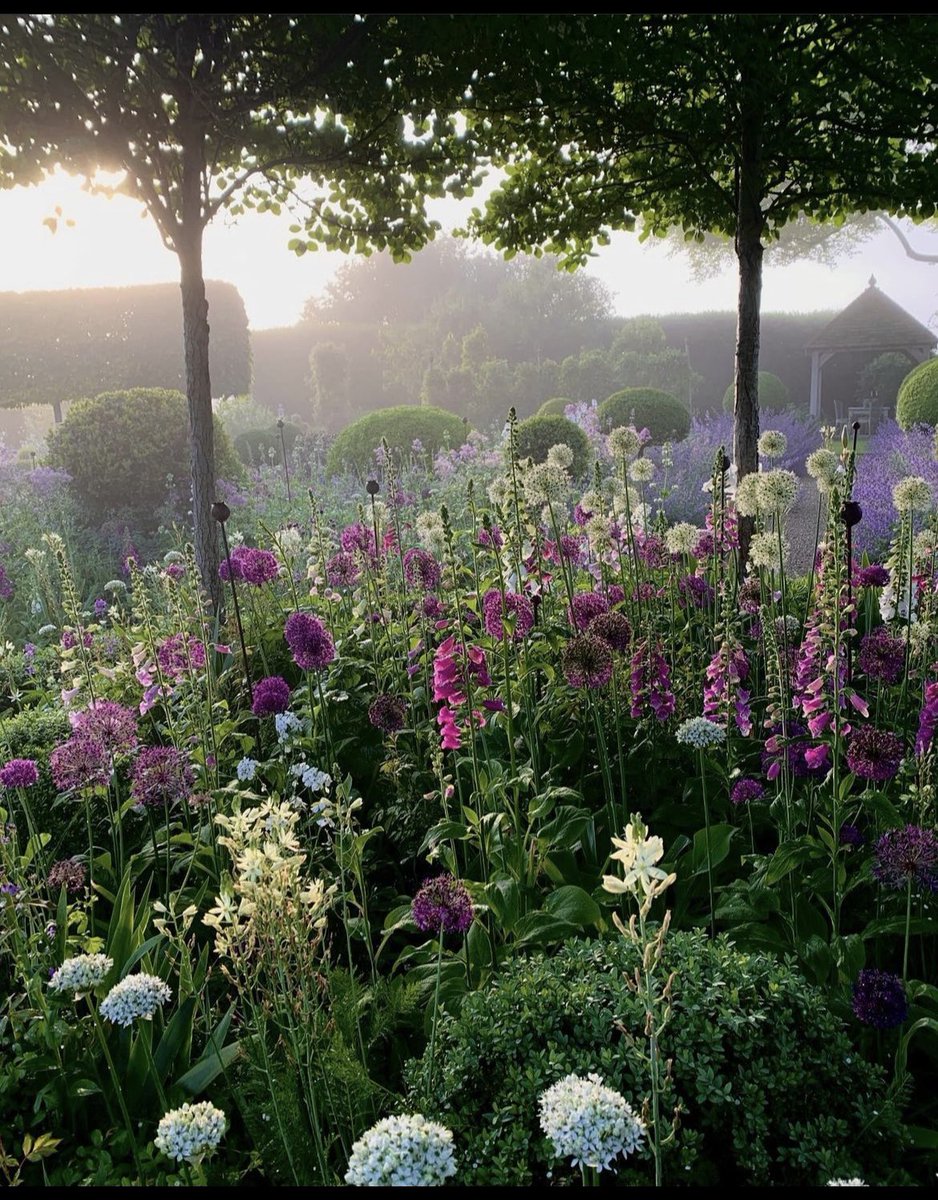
(773, 444)
(642, 470)
(855, 1182)
(136, 996)
(405, 1151)
(682, 538)
(623, 442)
(912, 494)
(764, 551)
(247, 769)
(588, 1122)
(81, 974)
(560, 456)
(545, 483)
(700, 733)
(430, 532)
(287, 724)
(778, 491)
(290, 539)
(189, 1133)
(638, 854)
(312, 777)
(825, 469)
(889, 609)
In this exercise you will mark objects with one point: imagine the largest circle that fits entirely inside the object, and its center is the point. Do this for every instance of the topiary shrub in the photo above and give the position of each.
(554, 408)
(771, 1088)
(665, 417)
(121, 447)
(537, 434)
(773, 395)
(254, 445)
(34, 733)
(917, 402)
(402, 425)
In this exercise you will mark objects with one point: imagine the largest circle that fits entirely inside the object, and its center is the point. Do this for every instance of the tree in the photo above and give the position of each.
(209, 112)
(729, 123)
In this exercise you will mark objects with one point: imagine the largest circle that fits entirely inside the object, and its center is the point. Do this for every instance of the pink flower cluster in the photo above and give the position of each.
(452, 675)
(651, 682)
(728, 668)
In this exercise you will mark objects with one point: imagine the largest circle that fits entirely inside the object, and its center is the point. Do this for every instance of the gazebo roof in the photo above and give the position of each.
(873, 322)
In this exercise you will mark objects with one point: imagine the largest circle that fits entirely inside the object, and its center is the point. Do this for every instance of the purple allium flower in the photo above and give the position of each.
(750, 596)
(874, 754)
(882, 656)
(68, 873)
(421, 570)
(615, 593)
(587, 661)
(516, 605)
(879, 999)
(431, 607)
(176, 571)
(850, 835)
(271, 695)
(387, 713)
(358, 537)
(81, 762)
(111, 725)
(585, 607)
(19, 773)
(100, 607)
(342, 570)
(744, 790)
(927, 720)
(694, 589)
(442, 904)
(309, 641)
(251, 565)
(872, 576)
(614, 628)
(161, 776)
(909, 855)
(180, 653)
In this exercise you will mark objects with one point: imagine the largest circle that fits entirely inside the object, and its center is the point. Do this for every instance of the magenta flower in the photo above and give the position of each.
(251, 565)
(516, 605)
(422, 571)
(651, 682)
(179, 654)
(112, 725)
(309, 641)
(875, 754)
(585, 607)
(342, 570)
(744, 790)
(587, 661)
(271, 696)
(928, 720)
(79, 763)
(442, 906)
(19, 773)
(160, 777)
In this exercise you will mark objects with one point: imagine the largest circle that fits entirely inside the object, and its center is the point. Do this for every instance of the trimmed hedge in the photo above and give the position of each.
(537, 434)
(435, 429)
(254, 445)
(665, 417)
(917, 402)
(773, 395)
(554, 408)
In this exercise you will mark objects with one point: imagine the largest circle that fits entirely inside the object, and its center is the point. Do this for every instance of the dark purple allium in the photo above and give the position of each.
(431, 607)
(387, 713)
(909, 855)
(81, 762)
(259, 566)
(850, 835)
(69, 873)
(516, 605)
(358, 537)
(585, 607)
(422, 571)
(19, 773)
(442, 903)
(161, 776)
(342, 569)
(879, 999)
(309, 641)
(179, 654)
(694, 589)
(615, 593)
(271, 695)
(882, 656)
(750, 596)
(112, 725)
(872, 576)
(614, 628)
(927, 720)
(874, 754)
(744, 790)
(587, 661)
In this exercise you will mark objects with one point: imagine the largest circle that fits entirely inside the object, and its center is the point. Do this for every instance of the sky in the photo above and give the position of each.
(110, 244)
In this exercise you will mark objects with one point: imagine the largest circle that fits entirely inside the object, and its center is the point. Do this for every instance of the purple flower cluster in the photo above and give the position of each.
(587, 661)
(68, 873)
(79, 763)
(650, 682)
(387, 713)
(19, 773)
(907, 856)
(613, 628)
(927, 720)
(850, 835)
(728, 668)
(442, 904)
(271, 695)
(882, 656)
(251, 565)
(516, 605)
(342, 570)
(695, 590)
(310, 642)
(179, 654)
(879, 999)
(111, 725)
(874, 754)
(744, 790)
(892, 455)
(584, 608)
(421, 570)
(161, 776)
(871, 576)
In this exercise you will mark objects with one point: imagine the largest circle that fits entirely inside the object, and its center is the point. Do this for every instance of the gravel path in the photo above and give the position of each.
(801, 526)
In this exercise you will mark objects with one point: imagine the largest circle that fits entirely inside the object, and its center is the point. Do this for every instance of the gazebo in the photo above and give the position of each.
(871, 324)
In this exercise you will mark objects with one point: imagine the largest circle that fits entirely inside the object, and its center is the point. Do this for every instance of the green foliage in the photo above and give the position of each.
(123, 449)
(240, 414)
(537, 434)
(883, 377)
(773, 395)
(917, 402)
(256, 446)
(663, 415)
(771, 1090)
(34, 733)
(354, 448)
(554, 407)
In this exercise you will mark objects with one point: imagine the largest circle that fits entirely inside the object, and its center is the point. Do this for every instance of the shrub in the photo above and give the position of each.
(557, 407)
(354, 448)
(34, 733)
(771, 1088)
(121, 447)
(254, 445)
(917, 402)
(773, 395)
(664, 416)
(537, 434)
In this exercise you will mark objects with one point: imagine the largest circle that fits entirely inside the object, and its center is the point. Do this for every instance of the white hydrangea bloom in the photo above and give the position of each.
(642, 470)
(700, 733)
(773, 444)
(623, 442)
(560, 456)
(189, 1133)
(247, 769)
(83, 973)
(588, 1122)
(405, 1151)
(912, 494)
(682, 538)
(135, 996)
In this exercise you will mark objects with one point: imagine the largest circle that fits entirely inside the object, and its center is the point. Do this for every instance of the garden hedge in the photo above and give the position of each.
(917, 401)
(537, 434)
(402, 425)
(773, 395)
(665, 417)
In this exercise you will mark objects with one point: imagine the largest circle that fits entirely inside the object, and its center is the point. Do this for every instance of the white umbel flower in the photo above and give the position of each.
(700, 733)
(912, 494)
(778, 491)
(190, 1133)
(137, 996)
(405, 1151)
(589, 1123)
(773, 444)
(623, 442)
(560, 456)
(81, 974)
(764, 551)
(855, 1182)
(825, 469)
(642, 470)
(682, 538)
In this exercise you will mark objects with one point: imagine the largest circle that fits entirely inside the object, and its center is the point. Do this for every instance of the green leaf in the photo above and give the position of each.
(789, 856)
(207, 1069)
(176, 1035)
(542, 928)
(573, 904)
(720, 838)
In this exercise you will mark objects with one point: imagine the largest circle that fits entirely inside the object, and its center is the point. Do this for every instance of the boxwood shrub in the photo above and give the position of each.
(665, 417)
(917, 401)
(773, 394)
(402, 425)
(537, 434)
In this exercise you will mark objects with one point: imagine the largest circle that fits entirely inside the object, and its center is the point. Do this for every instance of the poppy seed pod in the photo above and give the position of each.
(220, 511)
(372, 487)
(851, 514)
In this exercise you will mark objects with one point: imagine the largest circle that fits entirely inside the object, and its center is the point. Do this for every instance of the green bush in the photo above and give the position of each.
(555, 407)
(664, 416)
(772, 1091)
(121, 447)
(917, 402)
(354, 448)
(254, 445)
(537, 434)
(34, 733)
(773, 395)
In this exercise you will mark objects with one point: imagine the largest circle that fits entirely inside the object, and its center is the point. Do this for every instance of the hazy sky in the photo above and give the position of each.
(110, 245)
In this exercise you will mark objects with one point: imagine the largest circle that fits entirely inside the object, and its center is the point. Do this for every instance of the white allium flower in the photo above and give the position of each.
(778, 491)
(682, 538)
(545, 483)
(560, 456)
(642, 470)
(81, 974)
(912, 494)
(825, 469)
(135, 996)
(44, 630)
(430, 532)
(290, 540)
(189, 1133)
(588, 1122)
(499, 491)
(247, 769)
(763, 551)
(855, 1182)
(925, 544)
(173, 556)
(749, 495)
(773, 444)
(599, 531)
(405, 1151)
(623, 442)
(115, 585)
(287, 724)
(700, 733)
